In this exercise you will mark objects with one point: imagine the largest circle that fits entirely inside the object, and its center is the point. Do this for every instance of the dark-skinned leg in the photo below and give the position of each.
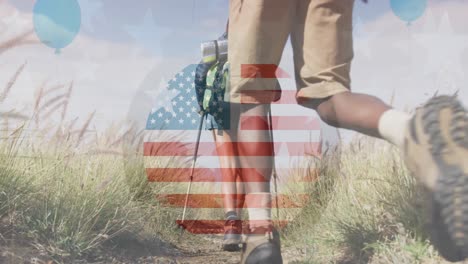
(358, 112)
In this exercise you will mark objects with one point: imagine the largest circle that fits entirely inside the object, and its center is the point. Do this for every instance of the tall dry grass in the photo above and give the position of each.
(365, 208)
(64, 187)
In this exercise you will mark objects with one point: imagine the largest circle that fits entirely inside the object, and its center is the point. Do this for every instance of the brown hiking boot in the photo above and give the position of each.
(262, 246)
(436, 152)
(232, 233)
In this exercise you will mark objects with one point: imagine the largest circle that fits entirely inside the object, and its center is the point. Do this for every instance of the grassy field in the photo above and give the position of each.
(72, 195)
(65, 205)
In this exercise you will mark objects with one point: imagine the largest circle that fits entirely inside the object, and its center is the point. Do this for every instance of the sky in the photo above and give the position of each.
(126, 51)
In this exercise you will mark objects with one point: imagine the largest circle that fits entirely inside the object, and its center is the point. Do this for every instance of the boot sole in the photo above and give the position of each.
(449, 208)
(231, 243)
(231, 247)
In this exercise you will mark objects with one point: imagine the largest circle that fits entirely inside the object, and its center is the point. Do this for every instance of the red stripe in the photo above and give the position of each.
(219, 175)
(280, 123)
(216, 200)
(217, 226)
(230, 148)
(267, 71)
(266, 96)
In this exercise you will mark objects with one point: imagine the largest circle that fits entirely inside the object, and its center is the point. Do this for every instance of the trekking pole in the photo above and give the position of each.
(275, 176)
(194, 160)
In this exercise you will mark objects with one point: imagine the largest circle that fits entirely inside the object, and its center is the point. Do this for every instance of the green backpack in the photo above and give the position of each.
(211, 83)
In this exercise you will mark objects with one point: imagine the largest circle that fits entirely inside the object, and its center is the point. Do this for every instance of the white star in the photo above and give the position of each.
(153, 110)
(194, 98)
(181, 109)
(174, 103)
(167, 121)
(181, 121)
(362, 38)
(181, 98)
(181, 74)
(194, 109)
(89, 9)
(181, 85)
(193, 85)
(194, 121)
(193, 73)
(153, 121)
(443, 47)
(160, 115)
(148, 34)
(88, 68)
(152, 95)
(188, 90)
(159, 97)
(188, 103)
(188, 114)
(188, 79)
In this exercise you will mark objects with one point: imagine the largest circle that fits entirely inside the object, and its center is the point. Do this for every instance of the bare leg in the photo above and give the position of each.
(240, 195)
(253, 152)
(358, 112)
(251, 131)
(232, 186)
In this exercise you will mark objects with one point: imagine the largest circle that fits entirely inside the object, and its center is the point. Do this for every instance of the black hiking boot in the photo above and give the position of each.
(232, 232)
(262, 246)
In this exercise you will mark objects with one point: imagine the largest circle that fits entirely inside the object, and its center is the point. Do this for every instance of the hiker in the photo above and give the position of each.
(232, 189)
(434, 140)
(210, 85)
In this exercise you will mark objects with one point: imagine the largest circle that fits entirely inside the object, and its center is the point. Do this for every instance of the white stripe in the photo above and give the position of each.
(207, 136)
(218, 213)
(282, 162)
(285, 110)
(289, 188)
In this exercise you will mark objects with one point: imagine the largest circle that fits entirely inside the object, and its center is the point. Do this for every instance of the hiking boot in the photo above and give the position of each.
(232, 233)
(262, 246)
(436, 153)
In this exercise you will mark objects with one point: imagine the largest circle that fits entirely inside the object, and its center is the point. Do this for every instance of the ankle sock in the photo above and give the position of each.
(259, 210)
(231, 215)
(392, 125)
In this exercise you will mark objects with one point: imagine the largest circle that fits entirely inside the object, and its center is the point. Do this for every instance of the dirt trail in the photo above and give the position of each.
(207, 250)
(204, 249)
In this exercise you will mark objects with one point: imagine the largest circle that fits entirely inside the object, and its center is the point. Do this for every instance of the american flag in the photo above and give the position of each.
(173, 126)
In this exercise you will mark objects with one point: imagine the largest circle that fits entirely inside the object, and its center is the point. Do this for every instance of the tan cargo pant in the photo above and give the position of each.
(321, 36)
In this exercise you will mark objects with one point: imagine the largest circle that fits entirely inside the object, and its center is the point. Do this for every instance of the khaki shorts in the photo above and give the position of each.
(321, 36)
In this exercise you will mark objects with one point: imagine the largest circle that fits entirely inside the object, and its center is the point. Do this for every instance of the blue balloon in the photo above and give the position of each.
(57, 22)
(408, 10)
